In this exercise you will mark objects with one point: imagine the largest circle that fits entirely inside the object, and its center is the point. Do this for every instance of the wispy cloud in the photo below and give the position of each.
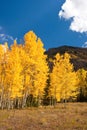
(6, 38)
(76, 10)
(84, 45)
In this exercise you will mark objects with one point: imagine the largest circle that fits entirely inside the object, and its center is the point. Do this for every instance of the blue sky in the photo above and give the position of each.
(20, 16)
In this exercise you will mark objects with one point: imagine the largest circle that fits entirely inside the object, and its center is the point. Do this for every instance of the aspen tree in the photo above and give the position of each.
(13, 75)
(3, 55)
(36, 67)
(82, 86)
(63, 80)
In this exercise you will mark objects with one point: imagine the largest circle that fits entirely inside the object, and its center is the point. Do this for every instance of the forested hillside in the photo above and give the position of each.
(78, 55)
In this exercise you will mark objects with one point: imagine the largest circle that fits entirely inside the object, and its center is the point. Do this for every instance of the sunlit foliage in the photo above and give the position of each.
(26, 79)
(63, 79)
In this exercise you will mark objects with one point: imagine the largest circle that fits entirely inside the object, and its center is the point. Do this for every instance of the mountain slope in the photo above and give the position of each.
(78, 55)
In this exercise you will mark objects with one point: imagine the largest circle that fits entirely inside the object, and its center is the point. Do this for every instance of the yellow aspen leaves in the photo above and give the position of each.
(63, 80)
(25, 71)
(25, 75)
(82, 89)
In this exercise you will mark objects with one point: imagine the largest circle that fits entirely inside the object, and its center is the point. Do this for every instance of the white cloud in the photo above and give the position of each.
(76, 10)
(84, 45)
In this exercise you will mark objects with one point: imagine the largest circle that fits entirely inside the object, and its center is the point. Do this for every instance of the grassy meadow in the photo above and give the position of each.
(69, 116)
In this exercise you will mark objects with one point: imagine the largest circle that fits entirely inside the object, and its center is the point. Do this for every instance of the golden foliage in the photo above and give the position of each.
(24, 73)
(63, 84)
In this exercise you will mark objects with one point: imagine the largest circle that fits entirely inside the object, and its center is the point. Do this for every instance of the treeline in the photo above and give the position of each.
(26, 80)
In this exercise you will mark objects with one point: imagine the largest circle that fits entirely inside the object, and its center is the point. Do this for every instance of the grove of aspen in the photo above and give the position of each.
(26, 79)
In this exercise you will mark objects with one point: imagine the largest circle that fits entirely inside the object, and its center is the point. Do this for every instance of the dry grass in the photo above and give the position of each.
(71, 116)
